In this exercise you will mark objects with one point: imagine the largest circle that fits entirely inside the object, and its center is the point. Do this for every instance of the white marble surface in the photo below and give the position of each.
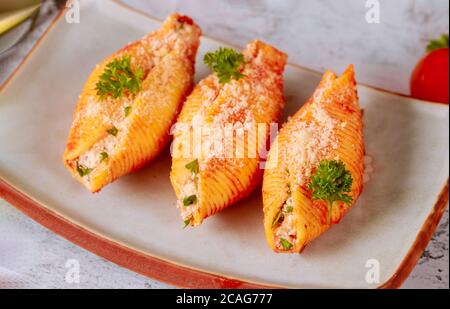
(316, 34)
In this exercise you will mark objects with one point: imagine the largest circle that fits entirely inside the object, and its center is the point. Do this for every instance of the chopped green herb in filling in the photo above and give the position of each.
(193, 167)
(285, 244)
(113, 131)
(83, 170)
(103, 156)
(119, 80)
(127, 111)
(187, 222)
(278, 218)
(190, 200)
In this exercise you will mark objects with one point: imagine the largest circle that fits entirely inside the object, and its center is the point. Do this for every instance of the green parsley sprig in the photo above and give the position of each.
(119, 80)
(331, 182)
(227, 64)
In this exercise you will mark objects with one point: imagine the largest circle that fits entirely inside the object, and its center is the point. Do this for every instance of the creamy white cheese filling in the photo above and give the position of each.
(189, 189)
(286, 229)
(92, 158)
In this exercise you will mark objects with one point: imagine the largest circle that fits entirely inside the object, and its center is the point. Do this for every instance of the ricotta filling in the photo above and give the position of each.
(92, 158)
(285, 233)
(187, 204)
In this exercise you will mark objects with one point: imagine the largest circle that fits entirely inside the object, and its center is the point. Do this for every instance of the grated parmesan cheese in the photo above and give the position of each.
(310, 141)
(286, 230)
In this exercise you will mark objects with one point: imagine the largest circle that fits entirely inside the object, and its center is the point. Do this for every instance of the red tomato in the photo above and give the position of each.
(429, 80)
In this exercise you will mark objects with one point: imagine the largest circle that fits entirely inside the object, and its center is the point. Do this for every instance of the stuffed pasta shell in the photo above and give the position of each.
(129, 103)
(222, 128)
(317, 166)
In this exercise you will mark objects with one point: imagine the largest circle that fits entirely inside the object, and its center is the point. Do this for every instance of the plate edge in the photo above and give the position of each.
(182, 276)
(420, 243)
(119, 254)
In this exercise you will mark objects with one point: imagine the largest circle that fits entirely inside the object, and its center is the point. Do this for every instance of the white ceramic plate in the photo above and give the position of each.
(134, 221)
